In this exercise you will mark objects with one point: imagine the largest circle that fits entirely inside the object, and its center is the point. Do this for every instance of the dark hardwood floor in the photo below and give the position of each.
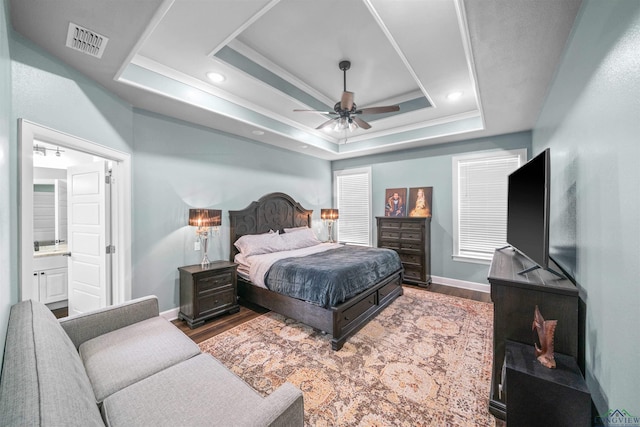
(222, 323)
(247, 312)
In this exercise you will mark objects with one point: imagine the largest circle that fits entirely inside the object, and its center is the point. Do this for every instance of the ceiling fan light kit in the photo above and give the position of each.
(346, 109)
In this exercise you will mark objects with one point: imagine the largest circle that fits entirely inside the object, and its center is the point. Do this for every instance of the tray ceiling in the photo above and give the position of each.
(281, 55)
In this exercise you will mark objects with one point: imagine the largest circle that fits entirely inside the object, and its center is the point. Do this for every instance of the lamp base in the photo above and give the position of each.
(205, 258)
(330, 226)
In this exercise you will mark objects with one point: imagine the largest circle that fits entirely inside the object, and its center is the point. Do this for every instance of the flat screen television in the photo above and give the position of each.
(528, 210)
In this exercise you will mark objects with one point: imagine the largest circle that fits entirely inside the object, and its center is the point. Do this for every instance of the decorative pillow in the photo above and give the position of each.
(255, 244)
(299, 239)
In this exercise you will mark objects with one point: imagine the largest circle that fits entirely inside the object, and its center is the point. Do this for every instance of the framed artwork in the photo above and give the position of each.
(395, 200)
(420, 201)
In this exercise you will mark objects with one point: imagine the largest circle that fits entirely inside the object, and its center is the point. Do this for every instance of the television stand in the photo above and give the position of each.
(514, 298)
(534, 266)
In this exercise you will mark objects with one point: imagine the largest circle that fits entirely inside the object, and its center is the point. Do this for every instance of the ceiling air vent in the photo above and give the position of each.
(86, 41)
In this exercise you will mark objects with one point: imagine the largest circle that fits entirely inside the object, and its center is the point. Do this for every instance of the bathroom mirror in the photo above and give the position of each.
(49, 212)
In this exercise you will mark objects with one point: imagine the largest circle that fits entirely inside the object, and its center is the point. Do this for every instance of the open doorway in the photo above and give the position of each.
(118, 250)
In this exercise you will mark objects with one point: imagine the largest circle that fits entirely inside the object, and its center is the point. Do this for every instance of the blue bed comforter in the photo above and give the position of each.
(331, 277)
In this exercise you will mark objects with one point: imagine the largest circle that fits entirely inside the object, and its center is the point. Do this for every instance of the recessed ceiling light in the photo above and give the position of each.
(216, 77)
(257, 132)
(454, 96)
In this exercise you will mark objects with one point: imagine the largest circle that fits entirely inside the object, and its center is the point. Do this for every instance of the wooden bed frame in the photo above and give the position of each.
(277, 211)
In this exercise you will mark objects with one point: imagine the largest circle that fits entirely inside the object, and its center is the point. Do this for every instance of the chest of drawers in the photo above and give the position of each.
(410, 237)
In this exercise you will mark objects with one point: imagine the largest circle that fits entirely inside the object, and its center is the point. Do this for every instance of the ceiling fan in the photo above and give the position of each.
(346, 110)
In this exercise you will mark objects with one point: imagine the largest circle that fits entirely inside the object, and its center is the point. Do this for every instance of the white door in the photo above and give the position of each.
(88, 237)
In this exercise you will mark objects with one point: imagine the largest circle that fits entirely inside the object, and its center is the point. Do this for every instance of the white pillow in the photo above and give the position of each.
(255, 244)
(290, 230)
(298, 239)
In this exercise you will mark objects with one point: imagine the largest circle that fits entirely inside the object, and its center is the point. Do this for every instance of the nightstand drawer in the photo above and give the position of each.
(214, 301)
(214, 281)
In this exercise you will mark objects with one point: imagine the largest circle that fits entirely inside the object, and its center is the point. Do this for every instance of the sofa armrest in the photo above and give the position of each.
(282, 408)
(85, 326)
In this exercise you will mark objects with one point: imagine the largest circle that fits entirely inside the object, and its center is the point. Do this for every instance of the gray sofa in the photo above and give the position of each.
(124, 366)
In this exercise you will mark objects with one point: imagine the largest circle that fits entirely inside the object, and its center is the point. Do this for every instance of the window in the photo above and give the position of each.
(353, 198)
(480, 202)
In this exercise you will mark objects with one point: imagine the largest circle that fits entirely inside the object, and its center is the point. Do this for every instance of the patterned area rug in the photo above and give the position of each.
(423, 361)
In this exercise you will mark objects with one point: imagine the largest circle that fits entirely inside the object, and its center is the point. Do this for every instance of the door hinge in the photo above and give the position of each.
(108, 179)
(111, 249)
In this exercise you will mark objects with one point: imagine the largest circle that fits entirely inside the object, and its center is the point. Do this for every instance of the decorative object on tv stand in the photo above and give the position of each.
(545, 329)
(329, 216)
(204, 219)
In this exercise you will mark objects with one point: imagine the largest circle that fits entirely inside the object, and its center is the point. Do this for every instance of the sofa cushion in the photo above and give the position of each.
(43, 380)
(125, 356)
(198, 392)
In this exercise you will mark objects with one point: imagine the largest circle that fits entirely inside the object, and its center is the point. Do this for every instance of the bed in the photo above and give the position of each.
(276, 212)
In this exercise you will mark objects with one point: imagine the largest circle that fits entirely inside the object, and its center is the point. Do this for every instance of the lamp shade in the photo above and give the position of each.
(329, 214)
(205, 217)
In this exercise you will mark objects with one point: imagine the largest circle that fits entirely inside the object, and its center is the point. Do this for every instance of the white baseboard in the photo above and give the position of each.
(171, 314)
(472, 286)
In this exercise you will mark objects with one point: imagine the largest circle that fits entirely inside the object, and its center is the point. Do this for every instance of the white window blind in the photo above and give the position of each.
(353, 198)
(480, 202)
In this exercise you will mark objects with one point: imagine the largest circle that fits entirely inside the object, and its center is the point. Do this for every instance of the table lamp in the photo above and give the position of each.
(204, 219)
(329, 216)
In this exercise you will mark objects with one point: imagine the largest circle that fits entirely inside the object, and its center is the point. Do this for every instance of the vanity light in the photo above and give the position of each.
(454, 96)
(216, 77)
(42, 151)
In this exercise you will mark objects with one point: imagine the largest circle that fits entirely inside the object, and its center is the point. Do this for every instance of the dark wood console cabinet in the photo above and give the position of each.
(207, 291)
(514, 299)
(410, 237)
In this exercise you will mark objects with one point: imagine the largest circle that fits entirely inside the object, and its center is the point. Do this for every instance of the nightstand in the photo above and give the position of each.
(207, 291)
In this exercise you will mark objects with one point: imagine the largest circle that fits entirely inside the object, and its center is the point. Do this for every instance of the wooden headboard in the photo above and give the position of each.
(274, 211)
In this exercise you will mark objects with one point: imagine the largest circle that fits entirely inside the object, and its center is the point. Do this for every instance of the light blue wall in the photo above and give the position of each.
(178, 166)
(591, 121)
(7, 256)
(432, 167)
(175, 166)
(51, 94)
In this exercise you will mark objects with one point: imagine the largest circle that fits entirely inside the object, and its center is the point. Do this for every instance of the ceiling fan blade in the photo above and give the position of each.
(361, 123)
(378, 110)
(346, 103)
(327, 123)
(315, 111)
